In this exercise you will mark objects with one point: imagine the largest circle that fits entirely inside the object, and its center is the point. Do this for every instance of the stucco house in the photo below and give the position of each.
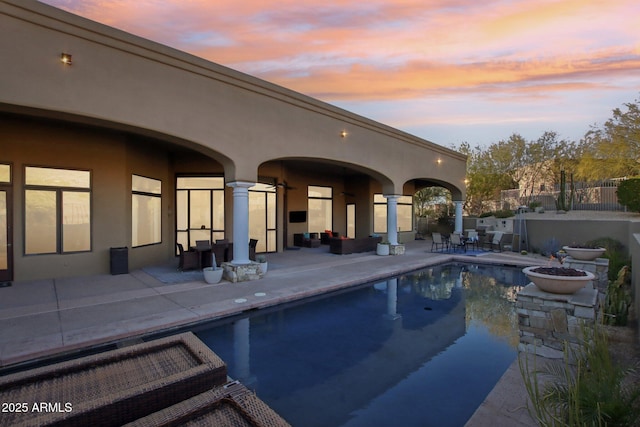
(111, 141)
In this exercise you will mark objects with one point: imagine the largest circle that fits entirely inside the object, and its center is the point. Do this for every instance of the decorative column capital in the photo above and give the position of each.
(240, 184)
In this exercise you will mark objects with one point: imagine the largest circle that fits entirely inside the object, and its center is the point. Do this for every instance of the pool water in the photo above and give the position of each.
(421, 349)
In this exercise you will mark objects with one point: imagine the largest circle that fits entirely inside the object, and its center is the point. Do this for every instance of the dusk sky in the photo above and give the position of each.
(445, 70)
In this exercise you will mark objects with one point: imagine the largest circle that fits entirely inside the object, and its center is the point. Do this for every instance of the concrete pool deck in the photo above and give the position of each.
(50, 317)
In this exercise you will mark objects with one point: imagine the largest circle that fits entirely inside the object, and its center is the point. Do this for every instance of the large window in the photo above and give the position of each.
(262, 216)
(5, 173)
(351, 220)
(146, 211)
(5, 178)
(320, 216)
(57, 210)
(404, 213)
(199, 209)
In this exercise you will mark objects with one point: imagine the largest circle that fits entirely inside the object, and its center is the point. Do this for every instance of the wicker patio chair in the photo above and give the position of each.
(252, 249)
(189, 260)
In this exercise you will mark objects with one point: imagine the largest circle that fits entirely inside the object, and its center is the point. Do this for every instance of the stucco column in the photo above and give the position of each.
(458, 227)
(240, 221)
(392, 218)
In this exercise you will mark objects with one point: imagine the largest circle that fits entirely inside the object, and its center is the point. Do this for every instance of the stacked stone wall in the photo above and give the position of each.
(599, 267)
(547, 321)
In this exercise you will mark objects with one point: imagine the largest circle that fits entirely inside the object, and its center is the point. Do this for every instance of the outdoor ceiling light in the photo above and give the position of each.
(343, 134)
(439, 160)
(66, 58)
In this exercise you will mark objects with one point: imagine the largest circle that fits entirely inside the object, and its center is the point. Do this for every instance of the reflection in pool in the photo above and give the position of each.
(421, 349)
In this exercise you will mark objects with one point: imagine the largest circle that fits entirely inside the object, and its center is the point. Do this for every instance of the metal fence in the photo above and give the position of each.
(587, 196)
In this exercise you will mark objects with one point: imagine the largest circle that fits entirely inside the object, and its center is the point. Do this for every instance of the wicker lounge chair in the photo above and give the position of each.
(115, 387)
(230, 405)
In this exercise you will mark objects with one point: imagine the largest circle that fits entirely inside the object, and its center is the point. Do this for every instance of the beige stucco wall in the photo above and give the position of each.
(123, 81)
(28, 144)
(112, 157)
(131, 106)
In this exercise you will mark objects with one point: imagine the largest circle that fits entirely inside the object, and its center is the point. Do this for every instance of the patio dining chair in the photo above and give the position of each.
(203, 247)
(252, 249)
(189, 260)
(456, 242)
(496, 242)
(473, 239)
(438, 241)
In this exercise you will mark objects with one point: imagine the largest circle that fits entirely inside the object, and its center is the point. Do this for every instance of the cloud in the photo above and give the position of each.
(403, 60)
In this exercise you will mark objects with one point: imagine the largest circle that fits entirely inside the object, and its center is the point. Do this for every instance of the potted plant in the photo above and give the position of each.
(584, 252)
(213, 274)
(382, 248)
(558, 280)
(264, 265)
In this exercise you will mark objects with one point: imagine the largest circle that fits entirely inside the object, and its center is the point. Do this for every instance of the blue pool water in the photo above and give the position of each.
(422, 349)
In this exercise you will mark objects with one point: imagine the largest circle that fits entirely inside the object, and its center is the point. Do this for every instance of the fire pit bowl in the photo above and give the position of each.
(558, 280)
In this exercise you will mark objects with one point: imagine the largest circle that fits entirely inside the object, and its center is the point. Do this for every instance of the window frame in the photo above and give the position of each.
(59, 191)
(153, 196)
(329, 198)
(219, 191)
(376, 202)
(266, 191)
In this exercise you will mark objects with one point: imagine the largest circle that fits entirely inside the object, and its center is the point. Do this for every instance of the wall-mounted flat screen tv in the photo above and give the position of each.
(298, 216)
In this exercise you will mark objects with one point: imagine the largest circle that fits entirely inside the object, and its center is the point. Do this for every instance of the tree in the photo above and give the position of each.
(512, 163)
(483, 181)
(629, 194)
(425, 199)
(613, 151)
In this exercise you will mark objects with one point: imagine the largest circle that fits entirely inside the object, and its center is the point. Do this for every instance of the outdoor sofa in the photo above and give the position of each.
(306, 240)
(341, 246)
(325, 237)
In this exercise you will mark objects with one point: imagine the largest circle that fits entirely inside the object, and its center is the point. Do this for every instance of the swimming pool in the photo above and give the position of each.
(421, 349)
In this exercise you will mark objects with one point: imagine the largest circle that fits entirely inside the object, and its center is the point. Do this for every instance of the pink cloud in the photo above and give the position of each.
(416, 51)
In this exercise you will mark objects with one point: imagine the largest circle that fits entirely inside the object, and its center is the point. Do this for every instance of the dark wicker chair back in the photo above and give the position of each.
(252, 249)
(188, 259)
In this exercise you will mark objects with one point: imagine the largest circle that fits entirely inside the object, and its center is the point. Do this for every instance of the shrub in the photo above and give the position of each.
(503, 214)
(618, 299)
(615, 253)
(485, 214)
(585, 389)
(629, 194)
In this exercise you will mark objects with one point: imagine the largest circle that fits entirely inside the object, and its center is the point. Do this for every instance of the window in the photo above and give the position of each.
(199, 209)
(57, 210)
(351, 220)
(146, 211)
(404, 213)
(5, 222)
(5, 173)
(262, 216)
(320, 202)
